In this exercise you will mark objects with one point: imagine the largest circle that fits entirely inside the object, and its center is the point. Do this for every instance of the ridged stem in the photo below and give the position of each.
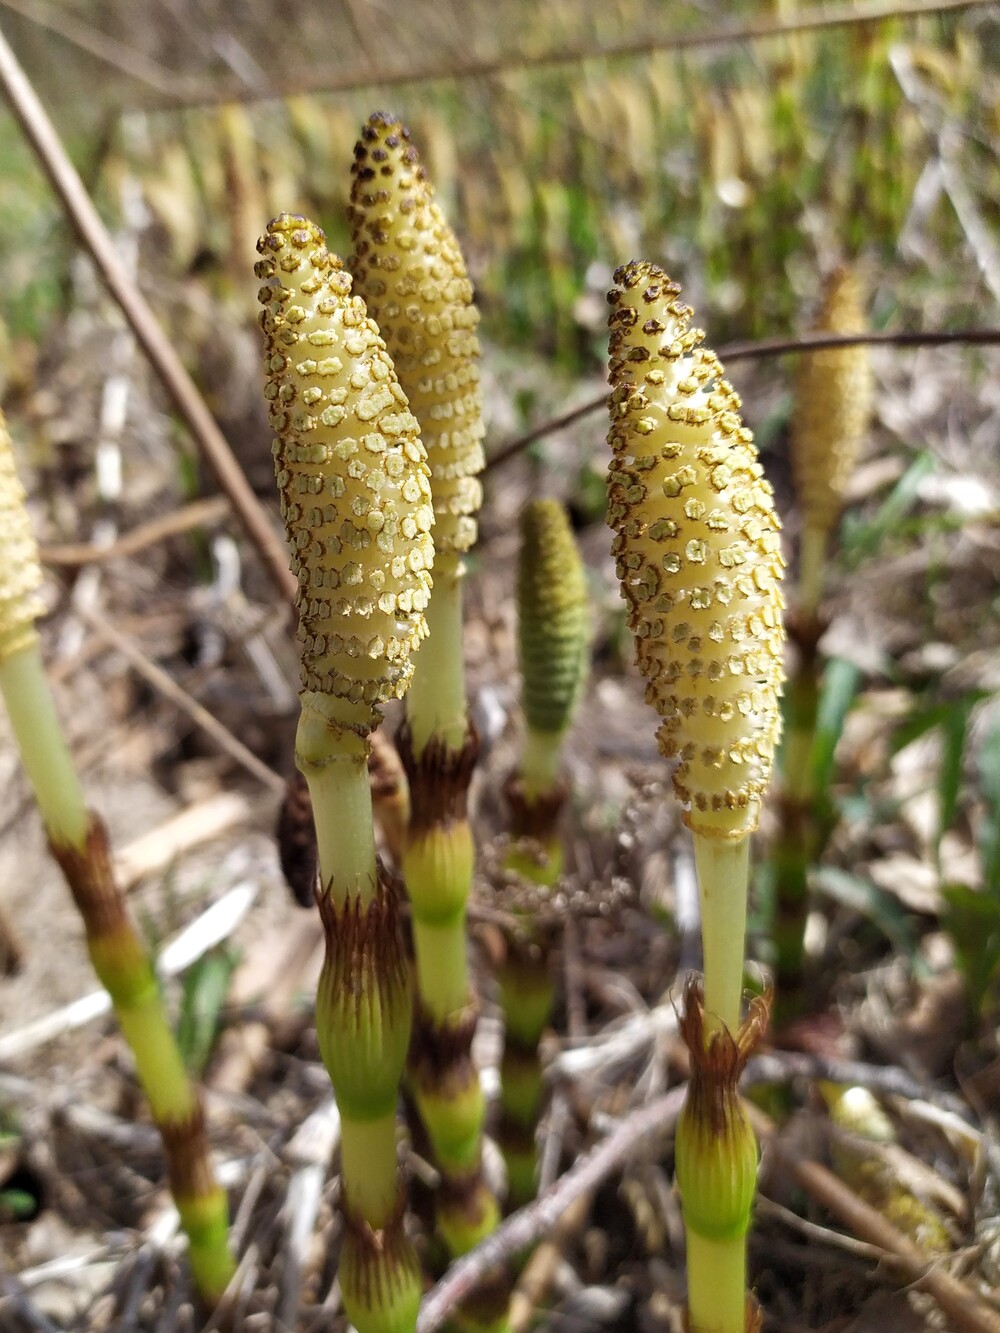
(541, 759)
(812, 567)
(715, 1153)
(438, 866)
(526, 998)
(436, 704)
(717, 1284)
(527, 993)
(122, 962)
(799, 835)
(723, 869)
(362, 1020)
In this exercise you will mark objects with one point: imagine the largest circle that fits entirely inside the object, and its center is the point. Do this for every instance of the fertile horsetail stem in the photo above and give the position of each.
(700, 565)
(832, 407)
(78, 842)
(553, 627)
(355, 497)
(408, 265)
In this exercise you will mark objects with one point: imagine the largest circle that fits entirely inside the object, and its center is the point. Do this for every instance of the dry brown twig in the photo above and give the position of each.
(446, 67)
(197, 514)
(41, 134)
(754, 351)
(169, 689)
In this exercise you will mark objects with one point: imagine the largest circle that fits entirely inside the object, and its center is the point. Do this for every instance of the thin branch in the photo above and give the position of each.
(755, 351)
(887, 1080)
(447, 68)
(523, 1228)
(169, 689)
(197, 514)
(44, 139)
(967, 1313)
(100, 45)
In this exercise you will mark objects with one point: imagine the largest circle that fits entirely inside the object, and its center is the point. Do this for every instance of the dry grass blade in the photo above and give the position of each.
(197, 514)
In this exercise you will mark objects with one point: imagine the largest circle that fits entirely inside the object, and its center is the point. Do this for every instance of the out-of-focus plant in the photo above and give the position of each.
(699, 558)
(553, 625)
(832, 406)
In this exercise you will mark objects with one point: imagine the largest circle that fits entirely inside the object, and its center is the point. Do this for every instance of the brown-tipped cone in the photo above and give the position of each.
(410, 270)
(697, 552)
(353, 476)
(833, 403)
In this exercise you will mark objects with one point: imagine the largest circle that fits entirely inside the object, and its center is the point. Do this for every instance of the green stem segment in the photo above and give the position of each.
(363, 1019)
(716, 1163)
(717, 1284)
(438, 866)
(79, 844)
(812, 566)
(436, 704)
(805, 821)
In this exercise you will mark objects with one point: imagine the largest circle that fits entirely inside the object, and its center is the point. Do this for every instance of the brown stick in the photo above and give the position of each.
(197, 514)
(966, 1312)
(808, 20)
(99, 44)
(753, 351)
(169, 688)
(44, 139)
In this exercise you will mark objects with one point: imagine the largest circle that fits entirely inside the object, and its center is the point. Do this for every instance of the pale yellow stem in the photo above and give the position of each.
(436, 703)
(717, 1284)
(723, 867)
(540, 761)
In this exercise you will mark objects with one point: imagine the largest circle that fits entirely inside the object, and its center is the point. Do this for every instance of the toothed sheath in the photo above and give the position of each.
(355, 496)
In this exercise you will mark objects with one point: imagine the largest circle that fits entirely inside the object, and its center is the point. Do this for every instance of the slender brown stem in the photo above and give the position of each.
(99, 44)
(169, 688)
(814, 19)
(752, 351)
(197, 514)
(44, 139)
